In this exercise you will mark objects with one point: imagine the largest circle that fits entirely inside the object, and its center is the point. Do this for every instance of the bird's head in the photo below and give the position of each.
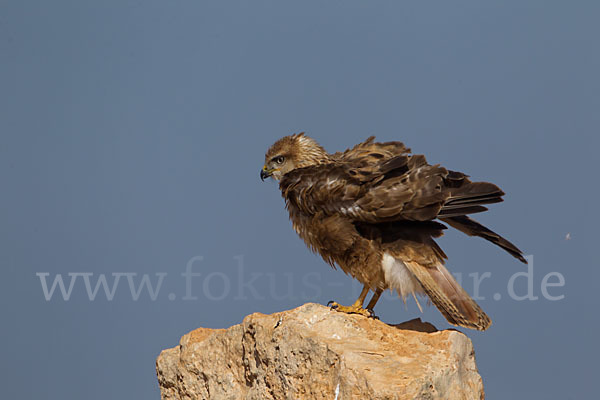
(291, 152)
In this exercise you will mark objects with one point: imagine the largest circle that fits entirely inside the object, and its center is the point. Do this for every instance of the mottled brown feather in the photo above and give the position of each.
(353, 207)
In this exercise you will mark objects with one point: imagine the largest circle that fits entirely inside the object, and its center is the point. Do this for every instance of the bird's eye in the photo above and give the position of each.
(279, 159)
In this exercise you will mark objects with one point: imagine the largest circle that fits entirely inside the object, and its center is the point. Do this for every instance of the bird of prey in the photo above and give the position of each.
(374, 211)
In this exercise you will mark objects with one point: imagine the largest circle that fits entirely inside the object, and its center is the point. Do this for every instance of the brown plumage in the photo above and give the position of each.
(372, 210)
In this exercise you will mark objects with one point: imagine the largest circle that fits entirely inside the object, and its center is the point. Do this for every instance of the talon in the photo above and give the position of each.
(353, 309)
(372, 313)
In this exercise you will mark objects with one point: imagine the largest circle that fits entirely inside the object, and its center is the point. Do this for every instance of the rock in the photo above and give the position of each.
(312, 352)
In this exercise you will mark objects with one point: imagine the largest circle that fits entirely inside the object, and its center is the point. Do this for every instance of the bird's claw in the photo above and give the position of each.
(370, 311)
(353, 309)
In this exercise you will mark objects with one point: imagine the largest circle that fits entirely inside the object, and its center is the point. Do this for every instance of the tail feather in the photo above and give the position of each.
(473, 228)
(448, 296)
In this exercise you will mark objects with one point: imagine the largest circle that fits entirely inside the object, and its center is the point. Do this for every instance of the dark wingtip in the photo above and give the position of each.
(473, 228)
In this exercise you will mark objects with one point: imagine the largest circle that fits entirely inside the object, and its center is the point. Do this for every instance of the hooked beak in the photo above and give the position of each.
(265, 173)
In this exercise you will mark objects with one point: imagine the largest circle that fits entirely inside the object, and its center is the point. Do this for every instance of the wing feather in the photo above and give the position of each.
(378, 182)
(473, 228)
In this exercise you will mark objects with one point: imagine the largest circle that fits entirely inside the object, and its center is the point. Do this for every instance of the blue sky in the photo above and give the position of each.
(132, 137)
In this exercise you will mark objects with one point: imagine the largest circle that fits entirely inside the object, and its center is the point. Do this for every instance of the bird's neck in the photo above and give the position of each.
(312, 154)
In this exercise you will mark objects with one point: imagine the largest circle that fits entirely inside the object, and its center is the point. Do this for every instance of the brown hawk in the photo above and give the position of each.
(372, 210)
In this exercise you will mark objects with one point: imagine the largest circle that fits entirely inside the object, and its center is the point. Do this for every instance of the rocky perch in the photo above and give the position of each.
(312, 352)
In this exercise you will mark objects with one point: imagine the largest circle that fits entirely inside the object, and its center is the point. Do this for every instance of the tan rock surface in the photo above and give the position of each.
(312, 352)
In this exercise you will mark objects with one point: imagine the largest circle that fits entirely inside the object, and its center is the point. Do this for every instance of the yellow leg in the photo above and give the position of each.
(374, 299)
(356, 308)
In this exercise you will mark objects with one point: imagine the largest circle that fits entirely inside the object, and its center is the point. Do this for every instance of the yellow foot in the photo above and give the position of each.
(353, 309)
